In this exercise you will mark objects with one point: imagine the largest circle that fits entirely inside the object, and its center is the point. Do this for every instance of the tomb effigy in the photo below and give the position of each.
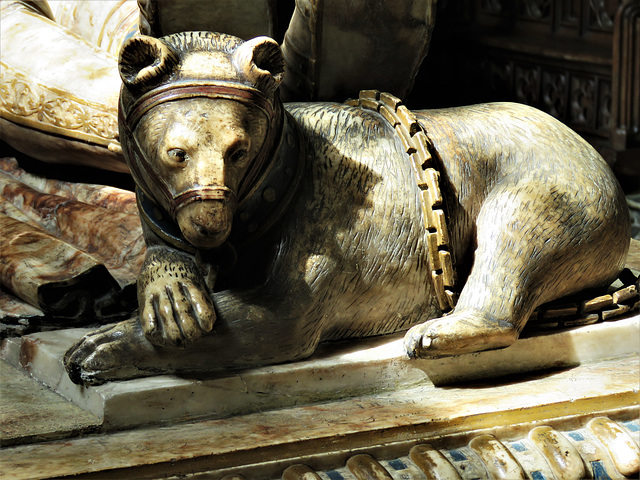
(273, 228)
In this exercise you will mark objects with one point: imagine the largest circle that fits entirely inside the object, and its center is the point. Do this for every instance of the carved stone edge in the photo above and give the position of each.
(27, 103)
(599, 448)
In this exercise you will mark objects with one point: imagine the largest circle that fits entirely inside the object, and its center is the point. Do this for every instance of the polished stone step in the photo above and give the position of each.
(336, 372)
(385, 426)
(30, 412)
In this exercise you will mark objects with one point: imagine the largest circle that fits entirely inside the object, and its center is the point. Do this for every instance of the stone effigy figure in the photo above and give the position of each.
(272, 227)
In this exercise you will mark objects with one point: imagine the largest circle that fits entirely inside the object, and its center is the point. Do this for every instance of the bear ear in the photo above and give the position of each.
(261, 62)
(144, 61)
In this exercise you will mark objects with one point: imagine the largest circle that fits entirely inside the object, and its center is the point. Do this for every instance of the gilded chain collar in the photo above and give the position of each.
(418, 148)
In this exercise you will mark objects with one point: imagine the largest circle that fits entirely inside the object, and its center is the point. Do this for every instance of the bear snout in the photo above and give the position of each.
(207, 223)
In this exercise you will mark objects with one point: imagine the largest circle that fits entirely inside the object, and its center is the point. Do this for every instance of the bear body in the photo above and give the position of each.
(534, 214)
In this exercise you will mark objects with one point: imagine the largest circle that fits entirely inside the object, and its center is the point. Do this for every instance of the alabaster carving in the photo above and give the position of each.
(272, 227)
(59, 91)
(27, 102)
(72, 250)
(105, 24)
(59, 88)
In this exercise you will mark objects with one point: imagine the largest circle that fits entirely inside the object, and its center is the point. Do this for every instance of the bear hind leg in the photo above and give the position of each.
(534, 244)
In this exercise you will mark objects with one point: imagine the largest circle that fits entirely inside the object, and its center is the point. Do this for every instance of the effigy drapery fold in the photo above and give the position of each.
(73, 251)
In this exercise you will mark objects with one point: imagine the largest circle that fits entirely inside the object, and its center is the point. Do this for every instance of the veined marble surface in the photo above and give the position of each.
(30, 412)
(336, 372)
(324, 436)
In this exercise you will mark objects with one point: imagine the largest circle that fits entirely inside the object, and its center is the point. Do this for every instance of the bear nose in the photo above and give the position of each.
(206, 224)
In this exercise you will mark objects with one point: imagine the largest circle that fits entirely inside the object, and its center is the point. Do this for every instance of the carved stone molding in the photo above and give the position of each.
(491, 6)
(554, 92)
(580, 15)
(536, 9)
(27, 103)
(583, 101)
(543, 452)
(601, 14)
(527, 84)
(578, 60)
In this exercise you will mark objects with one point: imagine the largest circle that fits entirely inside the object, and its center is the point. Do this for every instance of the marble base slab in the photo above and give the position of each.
(261, 445)
(337, 371)
(30, 412)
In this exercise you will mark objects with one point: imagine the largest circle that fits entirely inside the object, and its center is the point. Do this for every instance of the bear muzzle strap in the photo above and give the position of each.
(141, 166)
(200, 194)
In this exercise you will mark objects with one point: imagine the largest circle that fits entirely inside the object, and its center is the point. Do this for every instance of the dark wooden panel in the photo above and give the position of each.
(578, 60)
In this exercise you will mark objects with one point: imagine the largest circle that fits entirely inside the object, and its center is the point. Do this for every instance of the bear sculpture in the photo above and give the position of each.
(272, 227)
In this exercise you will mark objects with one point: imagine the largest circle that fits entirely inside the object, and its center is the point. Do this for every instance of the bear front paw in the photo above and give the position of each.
(113, 352)
(175, 313)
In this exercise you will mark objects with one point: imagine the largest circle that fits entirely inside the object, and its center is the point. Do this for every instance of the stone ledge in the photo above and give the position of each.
(386, 425)
(30, 412)
(337, 371)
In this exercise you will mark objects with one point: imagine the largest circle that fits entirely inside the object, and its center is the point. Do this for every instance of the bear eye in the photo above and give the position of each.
(238, 155)
(177, 155)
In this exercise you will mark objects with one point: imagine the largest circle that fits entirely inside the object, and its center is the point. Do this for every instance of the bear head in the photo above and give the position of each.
(199, 114)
